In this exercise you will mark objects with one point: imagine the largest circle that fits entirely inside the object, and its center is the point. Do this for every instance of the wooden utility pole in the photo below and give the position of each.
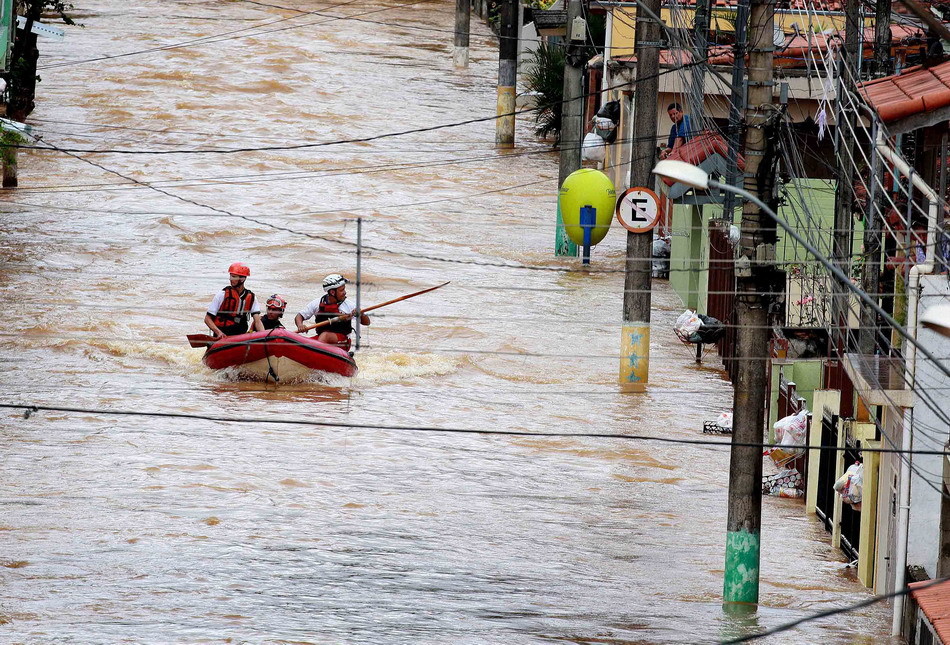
(463, 21)
(572, 123)
(508, 29)
(635, 332)
(754, 269)
(845, 129)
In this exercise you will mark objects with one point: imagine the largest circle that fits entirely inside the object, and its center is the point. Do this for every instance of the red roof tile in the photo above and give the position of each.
(701, 147)
(915, 90)
(934, 601)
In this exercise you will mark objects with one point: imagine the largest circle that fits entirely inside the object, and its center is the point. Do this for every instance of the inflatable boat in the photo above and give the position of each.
(278, 355)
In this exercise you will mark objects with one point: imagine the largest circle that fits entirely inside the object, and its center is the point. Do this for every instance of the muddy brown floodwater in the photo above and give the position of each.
(149, 529)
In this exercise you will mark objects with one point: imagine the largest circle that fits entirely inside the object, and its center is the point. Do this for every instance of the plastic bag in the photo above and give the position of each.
(851, 484)
(711, 330)
(724, 420)
(688, 323)
(790, 434)
(593, 148)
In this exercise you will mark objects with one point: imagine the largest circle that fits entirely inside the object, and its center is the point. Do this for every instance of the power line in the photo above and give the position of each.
(833, 612)
(32, 408)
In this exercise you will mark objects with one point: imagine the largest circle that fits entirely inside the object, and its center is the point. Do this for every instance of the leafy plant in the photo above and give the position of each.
(9, 140)
(545, 77)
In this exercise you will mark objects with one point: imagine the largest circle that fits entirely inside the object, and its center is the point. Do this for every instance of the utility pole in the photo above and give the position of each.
(737, 104)
(701, 34)
(635, 332)
(845, 134)
(572, 126)
(754, 270)
(463, 21)
(507, 73)
(871, 268)
(882, 38)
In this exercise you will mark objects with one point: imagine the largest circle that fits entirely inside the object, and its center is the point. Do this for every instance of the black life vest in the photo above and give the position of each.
(327, 311)
(234, 311)
(271, 324)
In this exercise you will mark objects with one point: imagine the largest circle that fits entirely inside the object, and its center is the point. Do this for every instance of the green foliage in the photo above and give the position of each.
(9, 139)
(545, 76)
(539, 4)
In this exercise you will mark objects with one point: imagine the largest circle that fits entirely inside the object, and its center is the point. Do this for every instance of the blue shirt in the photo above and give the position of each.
(680, 130)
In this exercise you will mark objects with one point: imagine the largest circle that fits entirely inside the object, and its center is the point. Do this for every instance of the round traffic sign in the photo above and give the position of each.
(638, 209)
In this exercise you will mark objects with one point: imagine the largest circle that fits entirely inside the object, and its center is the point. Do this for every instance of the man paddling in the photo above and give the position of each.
(332, 305)
(275, 309)
(232, 306)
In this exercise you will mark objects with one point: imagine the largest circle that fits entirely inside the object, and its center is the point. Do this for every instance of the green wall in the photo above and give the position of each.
(805, 374)
(689, 256)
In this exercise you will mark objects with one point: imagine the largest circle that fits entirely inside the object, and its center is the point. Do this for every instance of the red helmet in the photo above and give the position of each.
(277, 302)
(239, 269)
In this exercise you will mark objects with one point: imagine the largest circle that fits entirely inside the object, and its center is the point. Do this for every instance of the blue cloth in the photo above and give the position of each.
(681, 129)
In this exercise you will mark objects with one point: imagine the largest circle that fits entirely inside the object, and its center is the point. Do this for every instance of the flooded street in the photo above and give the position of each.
(125, 528)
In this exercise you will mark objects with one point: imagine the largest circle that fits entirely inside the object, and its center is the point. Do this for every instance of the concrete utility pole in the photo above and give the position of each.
(882, 38)
(871, 269)
(701, 34)
(572, 124)
(635, 332)
(754, 268)
(508, 29)
(463, 21)
(737, 104)
(845, 130)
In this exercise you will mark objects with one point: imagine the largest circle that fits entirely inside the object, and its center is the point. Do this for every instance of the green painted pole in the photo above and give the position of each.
(572, 123)
(754, 268)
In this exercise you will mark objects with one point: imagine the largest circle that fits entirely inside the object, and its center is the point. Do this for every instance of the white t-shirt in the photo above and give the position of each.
(218, 299)
(308, 312)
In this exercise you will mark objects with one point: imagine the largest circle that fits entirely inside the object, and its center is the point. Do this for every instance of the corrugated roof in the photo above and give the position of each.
(915, 90)
(934, 601)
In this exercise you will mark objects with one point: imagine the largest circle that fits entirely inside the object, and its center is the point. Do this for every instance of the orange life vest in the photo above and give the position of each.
(234, 311)
(327, 311)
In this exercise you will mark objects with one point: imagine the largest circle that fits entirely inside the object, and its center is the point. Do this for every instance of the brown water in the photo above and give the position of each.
(144, 529)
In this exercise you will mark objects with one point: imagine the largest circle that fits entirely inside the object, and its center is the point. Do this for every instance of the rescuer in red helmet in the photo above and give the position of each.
(232, 306)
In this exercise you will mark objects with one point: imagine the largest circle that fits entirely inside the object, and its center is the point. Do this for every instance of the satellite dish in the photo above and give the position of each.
(778, 37)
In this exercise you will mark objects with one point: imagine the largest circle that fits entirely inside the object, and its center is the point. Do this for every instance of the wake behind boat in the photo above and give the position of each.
(278, 355)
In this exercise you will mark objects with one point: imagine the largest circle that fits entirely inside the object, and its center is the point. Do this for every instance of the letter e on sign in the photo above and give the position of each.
(638, 209)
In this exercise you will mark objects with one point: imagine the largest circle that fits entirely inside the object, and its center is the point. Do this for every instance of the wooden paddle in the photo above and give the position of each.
(201, 340)
(368, 309)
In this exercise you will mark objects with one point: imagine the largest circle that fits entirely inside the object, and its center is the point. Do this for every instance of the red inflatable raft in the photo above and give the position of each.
(278, 355)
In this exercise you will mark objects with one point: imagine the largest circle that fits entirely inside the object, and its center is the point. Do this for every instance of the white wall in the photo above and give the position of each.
(930, 433)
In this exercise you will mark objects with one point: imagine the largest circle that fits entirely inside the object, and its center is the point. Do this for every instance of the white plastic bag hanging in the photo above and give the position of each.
(688, 323)
(851, 485)
(593, 148)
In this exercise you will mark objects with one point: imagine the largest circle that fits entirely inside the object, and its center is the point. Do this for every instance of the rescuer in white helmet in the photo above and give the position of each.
(332, 304)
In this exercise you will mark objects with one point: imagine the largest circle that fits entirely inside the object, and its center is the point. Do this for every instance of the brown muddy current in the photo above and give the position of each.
(148, 529)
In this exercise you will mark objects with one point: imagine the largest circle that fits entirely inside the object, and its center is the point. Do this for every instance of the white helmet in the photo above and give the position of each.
(333, 281)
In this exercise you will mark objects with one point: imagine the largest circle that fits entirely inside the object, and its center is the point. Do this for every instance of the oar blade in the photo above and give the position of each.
(200, 340)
